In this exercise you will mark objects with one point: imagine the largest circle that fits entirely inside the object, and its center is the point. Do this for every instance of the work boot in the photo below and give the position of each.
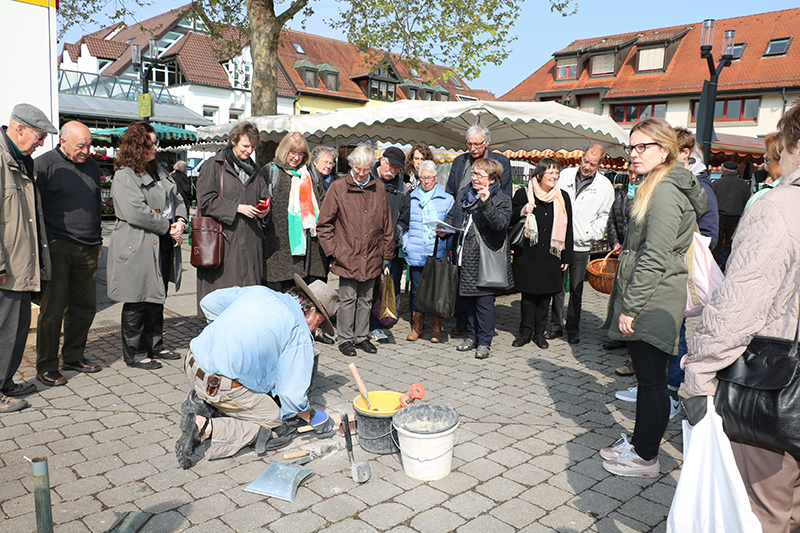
(436, 336)
(419, 323)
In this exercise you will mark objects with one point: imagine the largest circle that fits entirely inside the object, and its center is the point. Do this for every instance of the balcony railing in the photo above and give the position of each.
(85, 84)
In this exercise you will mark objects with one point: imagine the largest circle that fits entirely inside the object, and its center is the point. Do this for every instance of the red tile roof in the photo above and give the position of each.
(105, 49)
(483, 94)
(686, 70)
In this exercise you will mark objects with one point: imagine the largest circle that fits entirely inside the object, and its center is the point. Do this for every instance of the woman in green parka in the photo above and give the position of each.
(649, 296)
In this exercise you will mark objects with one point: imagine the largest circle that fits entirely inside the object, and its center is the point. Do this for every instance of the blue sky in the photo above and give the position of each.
(540, 32)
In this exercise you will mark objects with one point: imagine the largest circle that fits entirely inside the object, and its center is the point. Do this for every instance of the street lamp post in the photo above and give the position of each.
(708, 99)
(145, 73)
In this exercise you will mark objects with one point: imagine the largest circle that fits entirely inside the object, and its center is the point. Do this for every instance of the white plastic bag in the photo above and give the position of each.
(704, 275)
(710, 496)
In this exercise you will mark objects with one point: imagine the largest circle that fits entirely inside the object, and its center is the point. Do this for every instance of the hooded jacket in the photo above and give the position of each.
(650, 283)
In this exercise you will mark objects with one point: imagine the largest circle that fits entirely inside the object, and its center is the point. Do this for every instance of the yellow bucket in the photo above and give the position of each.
(375, 425)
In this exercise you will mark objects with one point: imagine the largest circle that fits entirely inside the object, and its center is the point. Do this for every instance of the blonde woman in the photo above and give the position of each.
(649, 295)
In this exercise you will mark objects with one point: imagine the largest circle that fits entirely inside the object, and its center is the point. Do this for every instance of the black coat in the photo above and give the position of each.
(617, 225)
(398, 194)
(536, 270)
(491, 219)
(184, 187)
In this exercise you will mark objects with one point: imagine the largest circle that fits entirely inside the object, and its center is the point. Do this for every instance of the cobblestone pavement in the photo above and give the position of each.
(525, 459)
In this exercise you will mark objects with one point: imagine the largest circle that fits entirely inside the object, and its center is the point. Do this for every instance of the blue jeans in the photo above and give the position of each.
(396, 267)
(675, 373)
(415, 274)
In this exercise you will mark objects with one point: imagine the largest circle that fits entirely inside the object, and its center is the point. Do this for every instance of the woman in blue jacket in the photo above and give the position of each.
(428, 202)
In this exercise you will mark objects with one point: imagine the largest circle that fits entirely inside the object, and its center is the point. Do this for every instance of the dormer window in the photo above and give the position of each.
(329, 76)
(412, 94)
(651, 59)
(603, 64)
(567, 69)
(778, 47)
(308, 72)
(298, 48)
(381, 90)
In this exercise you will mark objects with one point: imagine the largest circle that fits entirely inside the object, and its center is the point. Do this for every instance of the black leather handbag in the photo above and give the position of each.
(758, 396)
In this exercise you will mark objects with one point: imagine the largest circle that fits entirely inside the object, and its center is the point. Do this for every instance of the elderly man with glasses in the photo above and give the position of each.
(24, 256)
(355, 230)
(591, 195)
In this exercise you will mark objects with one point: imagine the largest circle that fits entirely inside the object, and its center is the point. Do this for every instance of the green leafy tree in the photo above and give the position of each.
(464, 35)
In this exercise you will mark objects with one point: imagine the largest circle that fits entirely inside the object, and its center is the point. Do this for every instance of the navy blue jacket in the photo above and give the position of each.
(460, 162)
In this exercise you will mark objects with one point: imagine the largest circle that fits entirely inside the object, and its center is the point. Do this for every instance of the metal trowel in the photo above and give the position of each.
(359, 471)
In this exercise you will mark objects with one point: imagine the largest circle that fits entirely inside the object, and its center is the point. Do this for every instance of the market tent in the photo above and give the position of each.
(739, 148)
(166, 135)
(513, 126)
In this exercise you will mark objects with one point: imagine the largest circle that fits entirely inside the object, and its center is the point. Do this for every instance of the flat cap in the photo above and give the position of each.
(395, 156)
(33, 117)
(732, 166)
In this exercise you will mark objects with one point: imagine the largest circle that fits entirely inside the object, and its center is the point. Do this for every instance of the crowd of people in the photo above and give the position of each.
(251, 368)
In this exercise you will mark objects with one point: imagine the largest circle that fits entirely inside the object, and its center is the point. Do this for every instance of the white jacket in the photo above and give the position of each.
(590, 209)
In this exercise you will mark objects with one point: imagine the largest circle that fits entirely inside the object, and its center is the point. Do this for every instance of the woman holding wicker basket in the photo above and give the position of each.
(546, 250)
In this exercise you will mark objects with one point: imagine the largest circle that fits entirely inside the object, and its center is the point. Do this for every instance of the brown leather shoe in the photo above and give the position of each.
(458, 330)
(51, 379)
(82, 365)
(436, 336)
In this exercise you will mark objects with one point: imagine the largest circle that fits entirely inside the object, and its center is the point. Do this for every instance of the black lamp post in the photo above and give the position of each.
(145, 73)
(708, 99)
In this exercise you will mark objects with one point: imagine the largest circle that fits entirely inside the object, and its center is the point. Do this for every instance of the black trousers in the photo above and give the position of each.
(577, 274)
(533, 308)
(15, 321)
(652, 399)
(142, 330)
(727, 227)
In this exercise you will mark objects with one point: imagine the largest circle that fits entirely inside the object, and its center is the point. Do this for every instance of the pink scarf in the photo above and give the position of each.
(559, 234)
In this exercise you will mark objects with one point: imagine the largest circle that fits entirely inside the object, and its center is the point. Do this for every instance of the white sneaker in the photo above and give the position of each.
(674, 407)
(378, 335)
(618, 448)
(627, 395)
(629, 464)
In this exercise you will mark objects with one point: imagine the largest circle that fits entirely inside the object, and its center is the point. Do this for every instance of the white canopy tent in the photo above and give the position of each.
(512, 125)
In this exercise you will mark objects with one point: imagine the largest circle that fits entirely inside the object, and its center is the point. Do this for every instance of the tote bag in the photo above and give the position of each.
(438, 286)
(704, 275)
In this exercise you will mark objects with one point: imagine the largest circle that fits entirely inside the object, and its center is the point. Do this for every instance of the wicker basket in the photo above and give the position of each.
(601, 273)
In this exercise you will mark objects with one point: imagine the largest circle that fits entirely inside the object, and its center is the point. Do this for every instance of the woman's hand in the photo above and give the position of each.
(261, 213)
(483, 192)
(176, 232)
(625, 324)
(564, 267)
(250, 211)
(442, 234)
(527, 209)
(617, 249)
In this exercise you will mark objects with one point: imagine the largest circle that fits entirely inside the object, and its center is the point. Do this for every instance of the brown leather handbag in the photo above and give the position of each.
(208, 239)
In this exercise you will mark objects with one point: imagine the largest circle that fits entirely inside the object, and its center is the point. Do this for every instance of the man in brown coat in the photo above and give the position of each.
(355, 230)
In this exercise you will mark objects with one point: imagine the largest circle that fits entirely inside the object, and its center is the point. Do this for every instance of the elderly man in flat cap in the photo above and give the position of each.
(24, 256)
(69, 183)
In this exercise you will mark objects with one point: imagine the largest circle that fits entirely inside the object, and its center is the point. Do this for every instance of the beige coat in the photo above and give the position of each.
(24, 254)
(761, 291)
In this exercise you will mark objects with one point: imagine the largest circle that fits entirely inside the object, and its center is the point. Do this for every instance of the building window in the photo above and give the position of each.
(444, 97)
(602, 64)
(168, 73)
(310, 78)
(629, 113)
(103, 63)
(738, 50)
(381, 90)
(457, 83)
(211, 113)
(651, 59)
(465, 98)
(298, 48)
(731, 109)
(567, 69)
(412, 94)
(236, 114)
(193, 22)
(777, 47)
(331, 80)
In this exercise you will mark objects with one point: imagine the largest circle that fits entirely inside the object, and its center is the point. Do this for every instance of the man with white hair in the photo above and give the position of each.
(24, 256)
(69, 183)
(183, 182)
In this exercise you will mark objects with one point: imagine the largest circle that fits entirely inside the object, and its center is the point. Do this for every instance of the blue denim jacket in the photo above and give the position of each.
(260, 338)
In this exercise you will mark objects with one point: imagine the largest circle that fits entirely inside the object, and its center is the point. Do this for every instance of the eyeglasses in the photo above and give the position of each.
(361, 171)
(297, 154)
(475, 145)
(40, 136)
(427, 178)
(640, 148)
(476, 173)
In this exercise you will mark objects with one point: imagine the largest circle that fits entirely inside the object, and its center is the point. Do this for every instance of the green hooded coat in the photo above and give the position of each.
(650, 282)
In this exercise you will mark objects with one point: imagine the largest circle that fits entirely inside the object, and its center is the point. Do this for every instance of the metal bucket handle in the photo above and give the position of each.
(455, 440)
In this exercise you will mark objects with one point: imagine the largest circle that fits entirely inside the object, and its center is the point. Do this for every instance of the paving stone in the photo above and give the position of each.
(436, 520)
(165, 521)
(517, 512)
(546, 496)
(469, 504)
(124, 494)
(644, 510)
(566, 517)
(104, 521)
(375, 491)
(67, 511)
(386, 515)
(126, 474)
(203, 510)
(82, 487)
(484, 524)
(163, 501)
(454, 483)
(301, 522)
(250, 517)
(482, 469)
(337, 507)
(352, 526)
(421, 498)
(500, 489)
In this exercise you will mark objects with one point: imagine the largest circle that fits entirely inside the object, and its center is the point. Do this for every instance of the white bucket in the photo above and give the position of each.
(427, 455)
